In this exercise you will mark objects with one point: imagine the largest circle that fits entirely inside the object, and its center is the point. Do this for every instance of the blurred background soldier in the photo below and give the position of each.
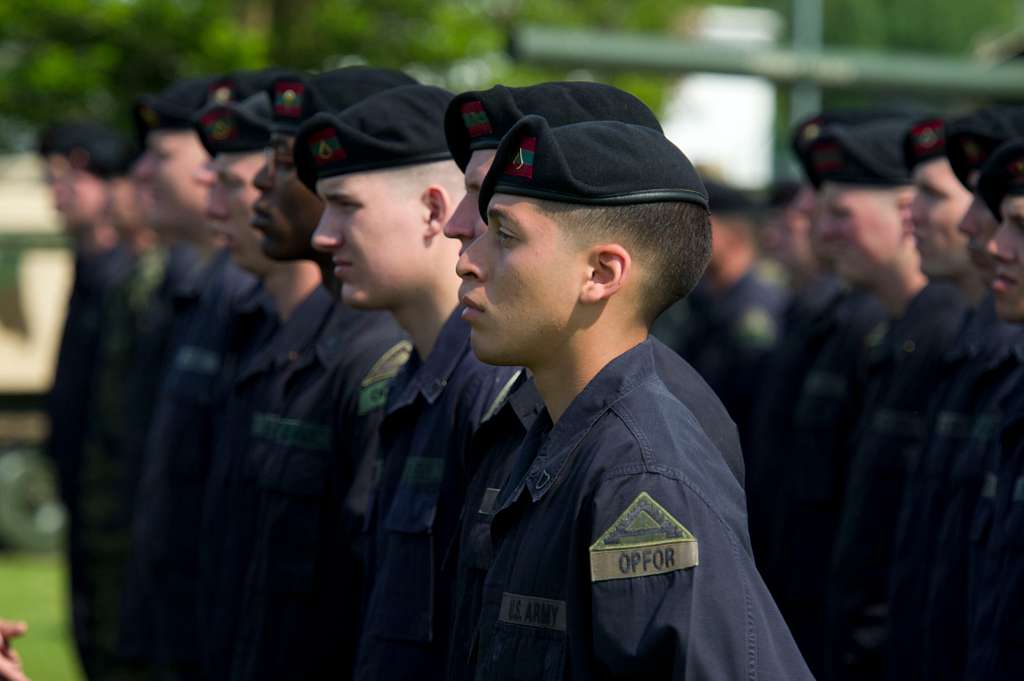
(730, 323)
(160, 603)
(867, 199)
(790, 238)
(805, 497)
(81, 160)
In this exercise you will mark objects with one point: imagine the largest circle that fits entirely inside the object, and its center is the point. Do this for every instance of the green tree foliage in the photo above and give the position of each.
(61, 58)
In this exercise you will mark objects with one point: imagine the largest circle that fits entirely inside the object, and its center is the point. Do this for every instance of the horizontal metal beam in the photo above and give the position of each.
(860, 70)
(11, 242)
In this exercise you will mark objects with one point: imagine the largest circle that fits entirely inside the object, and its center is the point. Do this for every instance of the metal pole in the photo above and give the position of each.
(808, 19)
(901, 73)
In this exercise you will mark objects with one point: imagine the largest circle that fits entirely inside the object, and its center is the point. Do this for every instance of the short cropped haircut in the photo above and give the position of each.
(671, 242)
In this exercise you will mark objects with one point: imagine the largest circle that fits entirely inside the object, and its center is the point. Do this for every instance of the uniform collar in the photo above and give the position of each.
(817, 298)
(525, 401)
(338, 332)
(555, 445)
(429, 378)
(199, 277)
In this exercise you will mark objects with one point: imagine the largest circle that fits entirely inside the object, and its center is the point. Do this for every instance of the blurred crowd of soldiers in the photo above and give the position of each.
(283, 456)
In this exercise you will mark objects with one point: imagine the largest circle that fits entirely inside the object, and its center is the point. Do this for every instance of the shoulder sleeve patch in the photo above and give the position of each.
(373, 392)
(645, 540)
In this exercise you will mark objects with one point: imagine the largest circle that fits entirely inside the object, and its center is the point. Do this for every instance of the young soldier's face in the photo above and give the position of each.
(521, 283)
(168, 178)
(938, 207)
(286, 212)
(231, 195)
(1008, 254)
(979, 226)
(374, 227)
(868, 229)
(465, 223)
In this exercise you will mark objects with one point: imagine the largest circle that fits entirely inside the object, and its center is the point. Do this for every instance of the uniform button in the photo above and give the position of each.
(293, 355)
(909, 346)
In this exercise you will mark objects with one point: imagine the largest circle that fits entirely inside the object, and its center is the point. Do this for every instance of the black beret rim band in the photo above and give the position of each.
(384, 165)
(625, 199)
(482, 143)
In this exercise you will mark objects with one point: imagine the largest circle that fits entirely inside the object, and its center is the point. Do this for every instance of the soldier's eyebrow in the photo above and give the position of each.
(339, 196)
(502, 214)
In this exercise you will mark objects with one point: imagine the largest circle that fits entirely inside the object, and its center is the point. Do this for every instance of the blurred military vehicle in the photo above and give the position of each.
(35, 277)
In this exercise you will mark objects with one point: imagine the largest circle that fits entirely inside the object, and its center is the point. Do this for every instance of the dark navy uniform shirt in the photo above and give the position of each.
(434, 408)
(825, 415)
(902, 380)
(312, 454)
(228, 506)
(767, 449)
(497, 441)
(995, 635)
(620, 549)
(179, 446)
(927, 579)
(726, 337)
(73, 376)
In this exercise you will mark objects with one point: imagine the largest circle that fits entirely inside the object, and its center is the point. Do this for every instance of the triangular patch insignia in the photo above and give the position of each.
(645, 540)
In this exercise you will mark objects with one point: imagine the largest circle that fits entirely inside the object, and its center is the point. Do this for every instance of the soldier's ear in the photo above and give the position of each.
(609, 267)
(438, 207)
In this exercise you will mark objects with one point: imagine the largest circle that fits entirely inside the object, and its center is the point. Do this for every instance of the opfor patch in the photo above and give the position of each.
(645, 540)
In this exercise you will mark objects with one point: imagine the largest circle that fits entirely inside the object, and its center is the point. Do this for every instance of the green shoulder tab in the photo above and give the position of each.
(876, 335)
(373, 392)
(756, 328)
(645, 540)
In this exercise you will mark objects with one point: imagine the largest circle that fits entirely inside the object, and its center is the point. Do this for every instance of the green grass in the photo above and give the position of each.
(33, 588)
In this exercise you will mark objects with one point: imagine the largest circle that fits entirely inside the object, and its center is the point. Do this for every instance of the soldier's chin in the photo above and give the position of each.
(359, 297)
(488, 351)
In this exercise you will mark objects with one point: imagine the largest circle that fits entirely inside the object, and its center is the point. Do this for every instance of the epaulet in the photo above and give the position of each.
(373, 392)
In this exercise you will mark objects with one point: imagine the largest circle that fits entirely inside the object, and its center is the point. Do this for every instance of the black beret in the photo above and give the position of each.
(724, 199)
(924, 142)
(479, 119)
(1002, 175)
(398, 127)
(297, 96)
(866, 154)
(599, 163)
(807, 131)
(971, 139)
(235, 127)
(90, 146)
(174, 107)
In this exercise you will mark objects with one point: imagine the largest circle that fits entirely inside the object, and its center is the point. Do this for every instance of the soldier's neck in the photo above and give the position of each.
(896, 288)
(290, 283)
(565, 368)
(424, 312)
